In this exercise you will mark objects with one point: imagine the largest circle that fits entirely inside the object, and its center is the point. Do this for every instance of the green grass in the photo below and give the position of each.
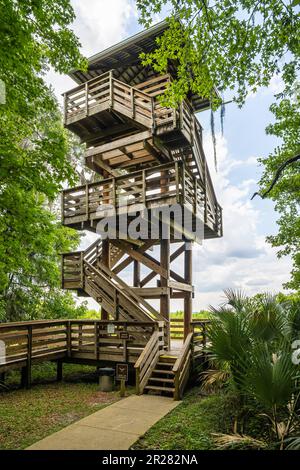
(189, 426)
(202, 315)
(27, 416)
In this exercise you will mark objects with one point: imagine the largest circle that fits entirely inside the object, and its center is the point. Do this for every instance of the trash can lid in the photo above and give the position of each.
(106, 371)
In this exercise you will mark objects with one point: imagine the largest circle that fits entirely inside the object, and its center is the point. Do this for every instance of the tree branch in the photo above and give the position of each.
(277, 176)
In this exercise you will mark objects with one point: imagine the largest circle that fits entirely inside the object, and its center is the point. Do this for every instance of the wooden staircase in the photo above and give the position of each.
(85, 272)
(162, 378)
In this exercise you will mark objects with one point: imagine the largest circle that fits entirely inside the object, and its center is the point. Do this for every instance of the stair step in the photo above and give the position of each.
(169, 364)
(159, 379)
(163, 371)
(167, 359)
(160, 389)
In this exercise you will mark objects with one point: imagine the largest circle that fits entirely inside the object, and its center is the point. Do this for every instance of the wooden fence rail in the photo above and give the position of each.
(27, 343)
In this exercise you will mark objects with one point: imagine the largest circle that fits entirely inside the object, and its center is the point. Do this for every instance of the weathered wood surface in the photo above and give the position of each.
(26, 343)
(142, 189)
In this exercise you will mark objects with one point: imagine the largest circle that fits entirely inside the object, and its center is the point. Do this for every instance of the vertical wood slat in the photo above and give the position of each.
(144, 187)
(87, 98)
(111, 91)
(29, 357)
(69, 339)
(65, 107)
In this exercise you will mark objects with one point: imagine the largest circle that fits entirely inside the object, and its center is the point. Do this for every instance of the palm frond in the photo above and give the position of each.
(227, 441)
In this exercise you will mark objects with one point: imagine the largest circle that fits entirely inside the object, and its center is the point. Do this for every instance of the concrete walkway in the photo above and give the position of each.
(115, 427)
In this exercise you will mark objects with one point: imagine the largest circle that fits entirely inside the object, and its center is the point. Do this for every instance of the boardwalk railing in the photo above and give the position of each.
(138, 102)
(98, 281)
(147, 360)
(144, 188)
(188, 359)
(27, 343)
(182, 367)
(106, 92)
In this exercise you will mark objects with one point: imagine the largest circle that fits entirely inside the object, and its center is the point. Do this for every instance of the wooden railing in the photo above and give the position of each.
(138, 102)
(176, 328)
(199, 330)
(25, 343)
(98, 281)
(193, 349)
(106, 92)
(182, 367)
(147, 360)
(144, 188)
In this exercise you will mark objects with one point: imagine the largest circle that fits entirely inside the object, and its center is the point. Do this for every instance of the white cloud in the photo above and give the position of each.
(241, 259)
(98, 25)
(101, 23)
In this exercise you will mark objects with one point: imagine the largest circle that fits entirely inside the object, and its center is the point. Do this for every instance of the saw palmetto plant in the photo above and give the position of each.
(251, 339)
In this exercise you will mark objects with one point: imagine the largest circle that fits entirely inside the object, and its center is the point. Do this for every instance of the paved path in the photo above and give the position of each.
(115, 427)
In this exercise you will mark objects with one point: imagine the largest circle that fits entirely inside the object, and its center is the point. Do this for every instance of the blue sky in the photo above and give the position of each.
(241, 259)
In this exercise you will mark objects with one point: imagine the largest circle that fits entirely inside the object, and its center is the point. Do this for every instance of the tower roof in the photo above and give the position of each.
(124, 58)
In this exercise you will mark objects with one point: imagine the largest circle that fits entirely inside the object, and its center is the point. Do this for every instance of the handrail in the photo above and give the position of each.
(182, 366)
(148, 358)
(44, 340)
(123, 290)
(108, 92)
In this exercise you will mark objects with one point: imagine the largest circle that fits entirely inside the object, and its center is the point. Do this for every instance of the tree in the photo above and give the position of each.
(34, 150)
(239, 46)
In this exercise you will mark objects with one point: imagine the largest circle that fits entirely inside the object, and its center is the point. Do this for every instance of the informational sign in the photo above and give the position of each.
(110, 328)
(122, 372)
(124, 335)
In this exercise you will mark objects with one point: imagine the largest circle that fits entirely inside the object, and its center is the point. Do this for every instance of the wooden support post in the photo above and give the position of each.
(106, 262)
(136, 274)
(188, 295)
(26, 371)
(69, 339)
(165, 299)
(59, 370)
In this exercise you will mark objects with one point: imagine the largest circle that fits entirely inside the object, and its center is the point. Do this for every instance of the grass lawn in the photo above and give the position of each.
(27, 416)
(189, 426)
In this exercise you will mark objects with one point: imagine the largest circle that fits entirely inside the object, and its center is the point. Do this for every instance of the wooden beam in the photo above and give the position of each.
(165, 299)
(116, 144)
(106, 262)
(126, 262)
(173, 256)
(144, 258)
(187, 313)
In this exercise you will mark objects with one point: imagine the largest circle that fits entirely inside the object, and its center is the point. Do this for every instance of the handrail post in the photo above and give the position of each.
(111, 96)
(81, 270)
(69, 339)
(177, 183)
(86, 98)
(87, 201)
(27, 370)
(137, 380)
(176, 386)
(144, 187)
(65, 95)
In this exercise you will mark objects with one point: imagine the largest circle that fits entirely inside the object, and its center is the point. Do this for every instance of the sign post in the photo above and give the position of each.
(122, 375)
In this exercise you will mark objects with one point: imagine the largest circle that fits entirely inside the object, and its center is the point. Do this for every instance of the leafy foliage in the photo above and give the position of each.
(253, 339)
(34, 150)
(238, 46)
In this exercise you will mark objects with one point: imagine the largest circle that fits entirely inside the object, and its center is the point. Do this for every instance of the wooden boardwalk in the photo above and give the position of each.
(143, 345)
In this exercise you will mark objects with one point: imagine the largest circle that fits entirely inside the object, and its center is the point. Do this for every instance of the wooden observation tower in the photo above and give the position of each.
(144, 154)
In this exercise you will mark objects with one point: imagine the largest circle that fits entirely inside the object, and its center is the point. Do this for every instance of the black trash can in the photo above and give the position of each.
(106, 379)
